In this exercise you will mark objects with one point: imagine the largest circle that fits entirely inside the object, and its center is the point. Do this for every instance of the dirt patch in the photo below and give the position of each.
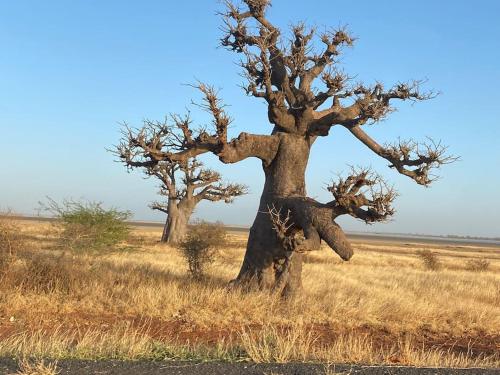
(182, 331)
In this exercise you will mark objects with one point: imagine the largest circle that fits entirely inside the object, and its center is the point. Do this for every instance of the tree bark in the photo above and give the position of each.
(284, 178)
(177, 222)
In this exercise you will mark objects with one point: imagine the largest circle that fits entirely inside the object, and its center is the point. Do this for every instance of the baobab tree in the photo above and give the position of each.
(306, 96)
(184, 183)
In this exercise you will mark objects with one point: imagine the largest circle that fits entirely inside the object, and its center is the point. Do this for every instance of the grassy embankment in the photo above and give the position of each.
(383, 306)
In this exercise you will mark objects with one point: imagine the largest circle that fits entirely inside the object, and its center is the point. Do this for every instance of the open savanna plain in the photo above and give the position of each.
(382, 307)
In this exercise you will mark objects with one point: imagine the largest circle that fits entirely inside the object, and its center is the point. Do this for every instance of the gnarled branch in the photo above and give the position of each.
(412, 159)
(221, 192)
(288, 234)
(159, 206)
(363, 195)
(316, 221)
(174, 139)
(284, 74)
(272, 71)
(333, 40)
(371, 104)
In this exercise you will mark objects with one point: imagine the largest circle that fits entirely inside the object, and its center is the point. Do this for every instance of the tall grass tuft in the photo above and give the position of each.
(36, 367)
(429, 259)
(281, 345)
(11, 243)
(477, 265)
(11, 240)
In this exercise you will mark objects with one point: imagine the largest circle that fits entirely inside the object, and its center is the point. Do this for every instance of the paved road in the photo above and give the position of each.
(76, 367)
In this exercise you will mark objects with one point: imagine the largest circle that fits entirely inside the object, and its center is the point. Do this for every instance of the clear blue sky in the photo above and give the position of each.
(71, 70)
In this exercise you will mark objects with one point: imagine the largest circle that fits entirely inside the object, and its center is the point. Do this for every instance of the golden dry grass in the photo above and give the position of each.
(381, 307)
(38, 367)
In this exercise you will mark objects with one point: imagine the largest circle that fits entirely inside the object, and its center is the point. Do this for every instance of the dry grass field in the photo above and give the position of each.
(384, 306)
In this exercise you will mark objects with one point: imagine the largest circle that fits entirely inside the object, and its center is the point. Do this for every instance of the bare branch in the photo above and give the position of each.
(213, 104)
(423, 157)
(363, 195)
(313, 222)
(288, 234)
(174, 140)
(226, 192)
(333, 40)
(281, 225)
(159, 206)
(371, 104)
(264, 63)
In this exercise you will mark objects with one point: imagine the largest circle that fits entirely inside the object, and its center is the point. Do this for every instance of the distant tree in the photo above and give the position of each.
(184, 183)
(306, 96)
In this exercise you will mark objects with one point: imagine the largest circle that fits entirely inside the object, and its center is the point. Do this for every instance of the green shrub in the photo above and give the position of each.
(88, 227)
(200, 245)
(429, 259)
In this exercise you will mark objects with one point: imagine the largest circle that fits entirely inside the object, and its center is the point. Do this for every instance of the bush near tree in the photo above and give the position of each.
(200, 246)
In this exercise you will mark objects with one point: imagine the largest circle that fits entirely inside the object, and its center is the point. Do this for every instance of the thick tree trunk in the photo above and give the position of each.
(264, 260)
(177, 223)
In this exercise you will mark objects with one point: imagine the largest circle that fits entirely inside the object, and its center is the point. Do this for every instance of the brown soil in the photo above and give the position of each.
(182, 331)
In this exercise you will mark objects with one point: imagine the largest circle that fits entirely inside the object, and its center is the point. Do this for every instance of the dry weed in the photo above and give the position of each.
(429, 259)
(477, 265)
(200, 245)
(37, 367)
(273, 344)
(329, 369)
(11, 240)
(46, 273)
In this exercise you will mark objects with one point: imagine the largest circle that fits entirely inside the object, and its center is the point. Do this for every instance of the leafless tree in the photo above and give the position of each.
(306, 96)
(184, 183)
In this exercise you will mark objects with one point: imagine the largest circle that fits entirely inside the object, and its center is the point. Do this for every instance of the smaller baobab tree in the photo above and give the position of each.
(184, 184)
